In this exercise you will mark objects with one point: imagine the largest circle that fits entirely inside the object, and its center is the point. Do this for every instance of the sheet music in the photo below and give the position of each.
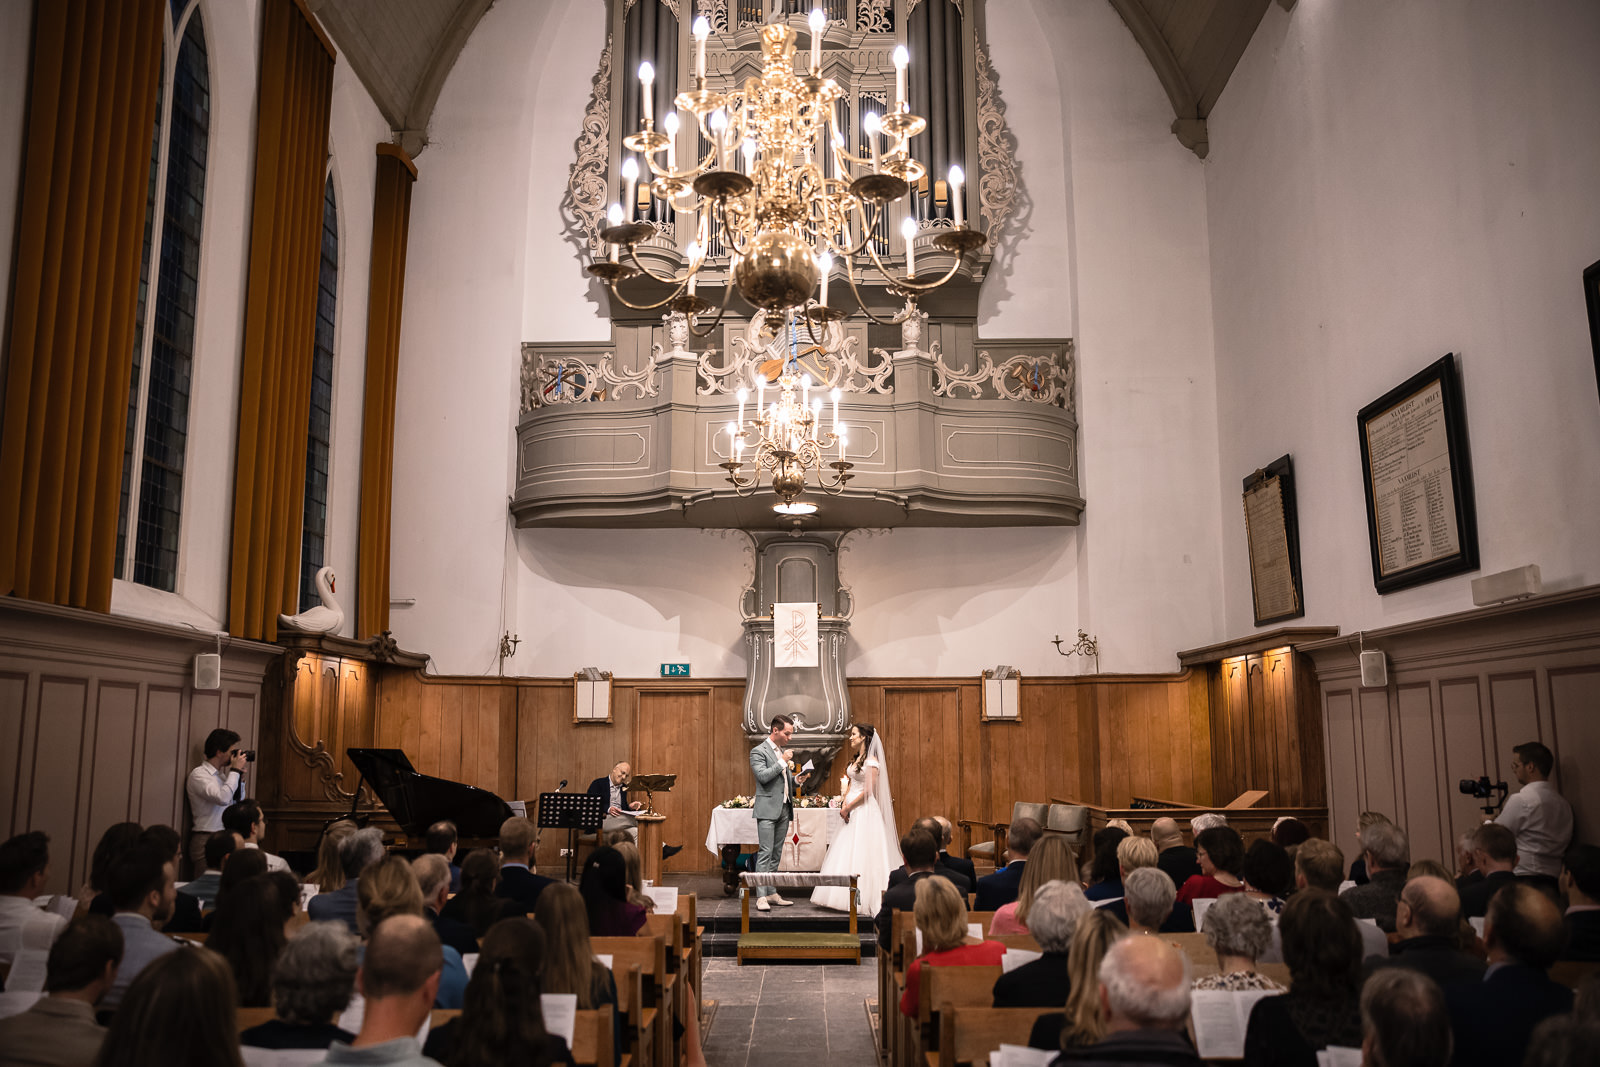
(1220, 1018)
(1016, 957)
(666, 898)
(63, 905)
(560, 1014)
(519, 808)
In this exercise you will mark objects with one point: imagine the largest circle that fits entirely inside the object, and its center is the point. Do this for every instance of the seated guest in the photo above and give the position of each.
(570, 966)
(1564, 1041)
(1082, 1023)
(501, 1020)
(1427, 919)
(329, 874)
(1050, 861)
(179, 1011)
(959, 878)
(24, 870)
(1267, 873)
(142, 887)
(1001, 886)
(1428, 869)
(441, 840)
(518, 882)
(1104, 881)
(1358, 867)
(240, 866)
(1318, 864)
(1403, 1020)
(1173, 856)
(311, 984)
(604, 887)
(115, 843)
(1206, 821)
(1494, 851)
(633, 874)
(1148, 899)
(941, 916)
(959, 864)
(1580, 881)
(219, 846)
(620, 812)
(388, 888)
(1239, 932)
(1466, 866)
(1494, 1018)
(399, 982)
(358, 851)
(1387, 853)
(248, 821)
(247, 931)
(1288, 832)
(1136, 853)
(1220, 852)
(921, 853)
(1322, 947)
(1144, 995)
(433, 878)
(59, 1030)
(186, 917)
(477, 904)
(1044, 983)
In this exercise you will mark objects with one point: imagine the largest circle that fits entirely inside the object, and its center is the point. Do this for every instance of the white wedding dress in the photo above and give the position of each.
(867, 845)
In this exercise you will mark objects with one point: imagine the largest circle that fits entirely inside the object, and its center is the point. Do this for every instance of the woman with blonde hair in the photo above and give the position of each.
(1080, 1024)
(329, 874)
(633, 865)
(941, 916)
(1050, 861)
(389, 887)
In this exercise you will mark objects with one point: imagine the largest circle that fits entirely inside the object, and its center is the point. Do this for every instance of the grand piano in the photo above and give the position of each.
(416, 800)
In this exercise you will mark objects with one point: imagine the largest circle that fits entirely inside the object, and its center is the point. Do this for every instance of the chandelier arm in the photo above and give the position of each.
(663, 302)
(633, 254)
(850, 277)
(727, 291)
(928, 287)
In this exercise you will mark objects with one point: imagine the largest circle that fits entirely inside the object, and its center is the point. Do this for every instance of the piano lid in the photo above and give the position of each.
(417, 800)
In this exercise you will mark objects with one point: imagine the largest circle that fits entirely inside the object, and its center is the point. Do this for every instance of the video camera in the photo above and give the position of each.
(1484, 789)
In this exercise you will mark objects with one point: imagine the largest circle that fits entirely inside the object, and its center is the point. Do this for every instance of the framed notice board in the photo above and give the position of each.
(1272, 528)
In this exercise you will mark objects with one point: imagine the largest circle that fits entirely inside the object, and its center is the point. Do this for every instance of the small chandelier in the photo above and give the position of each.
(786, 440)
(783, 219)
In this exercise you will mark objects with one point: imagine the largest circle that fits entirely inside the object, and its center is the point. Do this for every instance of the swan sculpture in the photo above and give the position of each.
(325, 619)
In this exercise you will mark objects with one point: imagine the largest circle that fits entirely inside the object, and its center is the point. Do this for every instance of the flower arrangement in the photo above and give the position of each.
(739, 802)
(814, 800)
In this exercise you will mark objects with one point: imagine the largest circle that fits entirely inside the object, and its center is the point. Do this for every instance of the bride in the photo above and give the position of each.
(866, 845)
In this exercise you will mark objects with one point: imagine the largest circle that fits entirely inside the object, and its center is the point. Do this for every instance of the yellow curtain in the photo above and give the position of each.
(296, 93)
(75, 283)
(391, 214)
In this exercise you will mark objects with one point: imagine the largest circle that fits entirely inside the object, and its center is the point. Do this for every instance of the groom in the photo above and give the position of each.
(775, 790)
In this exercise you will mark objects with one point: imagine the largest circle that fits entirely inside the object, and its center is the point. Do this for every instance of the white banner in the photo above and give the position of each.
(794, 634)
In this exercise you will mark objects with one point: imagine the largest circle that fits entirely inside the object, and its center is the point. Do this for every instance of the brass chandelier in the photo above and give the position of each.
(785, 222)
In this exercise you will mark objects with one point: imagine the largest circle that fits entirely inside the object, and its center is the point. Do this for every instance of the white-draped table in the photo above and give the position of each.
(734, 827)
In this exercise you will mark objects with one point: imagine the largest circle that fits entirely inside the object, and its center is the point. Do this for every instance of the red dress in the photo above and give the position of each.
(983, 954)
(1203, 887)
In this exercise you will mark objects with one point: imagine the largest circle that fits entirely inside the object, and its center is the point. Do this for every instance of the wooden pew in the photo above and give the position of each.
(693, 933)
(650, 953)
(1244, 814)
(670, 930)
(969, 1033)
(1572, 972)
(943, 987)
(637, 1022)
(591, 1039)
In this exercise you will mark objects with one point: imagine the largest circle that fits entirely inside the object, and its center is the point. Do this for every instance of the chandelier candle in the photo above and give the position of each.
(719, 131)
(825, 266)
(902, 59)
(630, 176)
(908, 230)
(818, 21)
(702, 30)
(956, 178)
(670, 124)
(872, 124)
(647, 77)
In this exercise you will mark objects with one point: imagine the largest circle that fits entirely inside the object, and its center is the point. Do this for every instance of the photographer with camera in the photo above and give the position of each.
(1539, 816)
(212, 786)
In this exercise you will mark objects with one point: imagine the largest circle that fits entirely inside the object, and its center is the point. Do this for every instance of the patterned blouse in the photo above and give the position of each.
(1238, 982)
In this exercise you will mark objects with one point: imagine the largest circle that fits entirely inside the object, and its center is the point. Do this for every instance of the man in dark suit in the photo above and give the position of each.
(1580, 881)
(960, 864)
(1494, 850)
(612, 789)
(1494, 1018)
(1427, 917)
(920, 850)
(518, 883)
(1387, 852)
(1001, 886)
(356, 853)
(961, 881)
(433, 878)
(1176, 858)
(442, 840)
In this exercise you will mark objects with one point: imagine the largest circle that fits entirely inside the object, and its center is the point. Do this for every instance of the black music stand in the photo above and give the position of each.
(575, 813)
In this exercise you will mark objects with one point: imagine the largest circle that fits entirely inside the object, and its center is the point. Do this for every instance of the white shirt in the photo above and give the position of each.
(16, 913)
(274, 863)
(1542, 820)
(210, 793)
(784, 765)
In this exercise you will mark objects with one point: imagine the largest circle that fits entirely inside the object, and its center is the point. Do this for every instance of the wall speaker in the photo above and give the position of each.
(1374, 670)
(1507, 585)
(208, 671)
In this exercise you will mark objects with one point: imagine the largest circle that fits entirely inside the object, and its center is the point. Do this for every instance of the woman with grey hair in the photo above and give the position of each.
(1148, 895)
(312, 982)
(1239, 931)
(1052, 917)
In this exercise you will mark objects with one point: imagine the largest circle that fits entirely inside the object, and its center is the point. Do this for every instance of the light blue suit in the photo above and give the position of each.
(774, 806)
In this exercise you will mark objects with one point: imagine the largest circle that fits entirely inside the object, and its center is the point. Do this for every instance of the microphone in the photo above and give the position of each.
(562, 786)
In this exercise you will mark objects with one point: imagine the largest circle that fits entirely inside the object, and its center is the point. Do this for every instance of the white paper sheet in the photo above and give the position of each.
(560, 1014)
(666, 898)
(808, 768)
(27, 971)
(1220, 1018)
(975, 930)
(1339, 1056)
(1016, 957)
(605, 960)
(470, 962)
(1346, 884)
(1201, 906)
(1020, 1056)
(63, 905)
(1477, 924)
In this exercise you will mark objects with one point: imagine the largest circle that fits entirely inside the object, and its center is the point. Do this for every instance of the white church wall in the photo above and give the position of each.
(489, 267)
(1388, 183)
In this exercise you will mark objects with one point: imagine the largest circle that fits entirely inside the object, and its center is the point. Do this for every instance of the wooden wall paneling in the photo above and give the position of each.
(1343, 750)
(110, 724)
(1425, 821)
(13, 743)
(1574, 696)
(673, 726)
(1514, 715)
(1377, 752)
(730, 766)
(162, 759)
(1312, 741)
(922, 729)
(1462, 728)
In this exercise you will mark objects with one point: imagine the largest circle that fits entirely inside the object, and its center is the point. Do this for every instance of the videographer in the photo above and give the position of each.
(212, 786)
(1539, 816)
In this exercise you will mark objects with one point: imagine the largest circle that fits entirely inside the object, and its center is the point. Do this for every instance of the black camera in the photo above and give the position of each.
(1484, 789)
(250, 757)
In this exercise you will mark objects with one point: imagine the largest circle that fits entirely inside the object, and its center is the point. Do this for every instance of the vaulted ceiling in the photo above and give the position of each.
(402, 50)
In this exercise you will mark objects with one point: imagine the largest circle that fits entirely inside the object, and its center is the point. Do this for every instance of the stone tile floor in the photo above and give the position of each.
(779, 1014)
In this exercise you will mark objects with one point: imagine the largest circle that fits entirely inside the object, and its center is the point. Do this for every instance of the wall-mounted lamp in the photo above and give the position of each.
(1086, 647)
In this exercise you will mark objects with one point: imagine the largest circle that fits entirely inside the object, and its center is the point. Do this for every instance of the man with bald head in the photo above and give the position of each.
(398, 979)
(1176, 858)
(1144, 1000)
(1494, 1018)
(1428, 918)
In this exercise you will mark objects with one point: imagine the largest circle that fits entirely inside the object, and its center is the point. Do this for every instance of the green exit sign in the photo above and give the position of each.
(674, 670)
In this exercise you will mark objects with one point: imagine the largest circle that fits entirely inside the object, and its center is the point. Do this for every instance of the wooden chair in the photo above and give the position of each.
(650, 953)
(249, 1017)
(592, 1039)
(943, 987)
(969, 1033)
(992, 848)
